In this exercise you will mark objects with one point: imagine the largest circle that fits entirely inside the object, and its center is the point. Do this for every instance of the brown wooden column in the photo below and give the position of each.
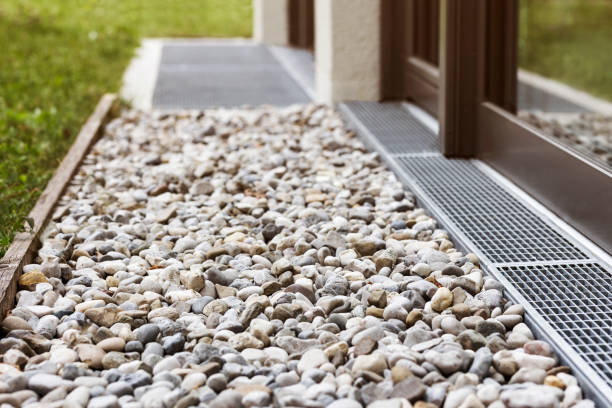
(393, 14)
(478, 63)
(421, 21)
(459, 69)
(499, 43)
(301, 23)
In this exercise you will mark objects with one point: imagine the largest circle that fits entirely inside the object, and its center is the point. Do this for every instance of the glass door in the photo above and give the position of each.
(493, 110)
(421, 53)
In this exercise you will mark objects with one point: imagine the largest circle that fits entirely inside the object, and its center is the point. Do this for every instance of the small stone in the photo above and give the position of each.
(366, 247)
(102, 316)
(112, 344)
(385, 259)
(194, 280)
(413, 317)
(421, 269)
(313, 358)
(490, 326)
(29, 280)
(78, 397)
(104, 401)
(173, 344)
(452, 270)
(365, 346)
(411, 388)
(374, 362)
(378, 298)
(113, 359)
(256, 399)
(538, 347)
(461, 310)
(193, 381)
(400, 373)
(44, 383)
(488, 393)
(483, 358)
(217, 382)
(91, 355)
(345, 403)
(442, 299)
(147, 333)
(15, 323)
(154, 397)
(15, 357)
(554, 381)
(119, 388)
(528, 375)
(534, 397)
(447, 362)
(242, 341)
(471, 339)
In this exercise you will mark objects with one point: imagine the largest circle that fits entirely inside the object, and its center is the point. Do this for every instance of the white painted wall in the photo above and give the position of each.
(347, 50)
(271, 22)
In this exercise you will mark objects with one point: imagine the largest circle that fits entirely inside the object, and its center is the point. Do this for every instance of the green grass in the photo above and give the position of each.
(570, 41)
(57, 57)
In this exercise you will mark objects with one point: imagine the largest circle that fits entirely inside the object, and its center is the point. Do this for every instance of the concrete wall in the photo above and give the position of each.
(271, 22)
(347, 50)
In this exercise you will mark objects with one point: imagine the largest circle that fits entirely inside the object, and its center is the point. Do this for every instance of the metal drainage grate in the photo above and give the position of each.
(502, 228)
(394, 127)
(576, 300)
(567, 293)
(196, 76)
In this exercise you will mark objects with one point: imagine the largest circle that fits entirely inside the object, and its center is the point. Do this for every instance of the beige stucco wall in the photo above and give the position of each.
(347, 60)
(271, 22)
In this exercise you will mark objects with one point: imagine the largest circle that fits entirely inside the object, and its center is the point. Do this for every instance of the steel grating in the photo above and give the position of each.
(576, 301)
(566, 291)
(196, 76)
(396, 128)
(502, 228)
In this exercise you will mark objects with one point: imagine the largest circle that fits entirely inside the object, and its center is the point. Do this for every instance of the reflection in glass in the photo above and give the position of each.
(565, 82)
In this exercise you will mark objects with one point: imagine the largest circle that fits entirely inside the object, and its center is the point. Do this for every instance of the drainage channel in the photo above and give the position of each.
(565, 288)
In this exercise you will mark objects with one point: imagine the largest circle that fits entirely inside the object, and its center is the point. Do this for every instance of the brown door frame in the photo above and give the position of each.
(301, 23)
(478, 77)
(420, 58)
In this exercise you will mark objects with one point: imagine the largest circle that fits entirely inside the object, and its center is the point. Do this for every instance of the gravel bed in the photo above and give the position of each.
(590, 133)
(256, 258)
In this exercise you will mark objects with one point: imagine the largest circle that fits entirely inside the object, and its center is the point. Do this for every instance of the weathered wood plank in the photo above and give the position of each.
(24, 244)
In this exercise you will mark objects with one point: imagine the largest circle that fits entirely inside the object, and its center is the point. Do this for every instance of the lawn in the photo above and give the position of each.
(58, 57)
(570, 41)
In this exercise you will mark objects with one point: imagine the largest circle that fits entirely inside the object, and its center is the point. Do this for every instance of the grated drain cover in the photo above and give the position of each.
(500, 226)
(576, 300)
(567, 292)
(196, 76)
(395, 127)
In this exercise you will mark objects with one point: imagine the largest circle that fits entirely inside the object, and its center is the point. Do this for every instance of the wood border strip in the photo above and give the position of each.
(24, 244)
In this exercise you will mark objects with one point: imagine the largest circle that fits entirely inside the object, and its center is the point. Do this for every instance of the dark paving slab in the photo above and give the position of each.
(196, 76)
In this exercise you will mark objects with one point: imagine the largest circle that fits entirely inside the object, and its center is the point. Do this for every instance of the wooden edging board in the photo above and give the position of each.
(25, 244)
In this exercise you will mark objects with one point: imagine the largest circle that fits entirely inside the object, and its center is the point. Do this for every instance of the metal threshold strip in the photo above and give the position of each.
(564, 282)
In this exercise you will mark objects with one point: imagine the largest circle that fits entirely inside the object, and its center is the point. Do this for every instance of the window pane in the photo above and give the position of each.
(565, 82)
